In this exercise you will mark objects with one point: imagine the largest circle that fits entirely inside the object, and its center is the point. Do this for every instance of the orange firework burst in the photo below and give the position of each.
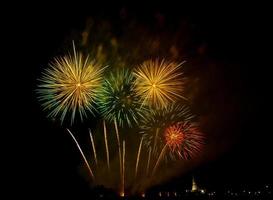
(159, 83)
(155, 122)
(174, 137)
(184, 139)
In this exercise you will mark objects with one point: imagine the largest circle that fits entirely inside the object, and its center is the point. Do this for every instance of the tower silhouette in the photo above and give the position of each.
(194, 187)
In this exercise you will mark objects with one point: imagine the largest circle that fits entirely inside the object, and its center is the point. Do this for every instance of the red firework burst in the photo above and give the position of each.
(184, 139)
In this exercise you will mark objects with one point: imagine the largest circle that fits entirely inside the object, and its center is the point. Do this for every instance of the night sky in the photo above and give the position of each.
(225, 48)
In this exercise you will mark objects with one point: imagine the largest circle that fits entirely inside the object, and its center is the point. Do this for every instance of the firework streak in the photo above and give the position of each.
(155, 140)
(83, 156)
(106, 145)
(138, 155)
(119, 148)
(93, 147)
(123, 169)
(159, 159)
(148, 162)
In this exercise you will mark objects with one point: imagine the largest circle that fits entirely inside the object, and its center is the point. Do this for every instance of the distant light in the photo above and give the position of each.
(122, 194)
(143, 195)
(202, 191)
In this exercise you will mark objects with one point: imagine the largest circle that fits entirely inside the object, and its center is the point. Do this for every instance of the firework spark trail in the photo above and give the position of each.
(93, 147)
(138, 155)
(106, 145)
(148, 162)
(123, 169)
(119, 148)
(155, 140)
(159, 159)
(83, 156)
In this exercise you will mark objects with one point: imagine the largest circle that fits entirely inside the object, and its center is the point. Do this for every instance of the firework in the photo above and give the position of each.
(154, 123)
(160, 157)
(118, 100)
(123, 170)
(83, 156)
(106, 145)
(69, 86)
(93, 147)
(119, 148)
(155, 140)
(184, 139)
(148, 162)
(138, 155)
(159, 83)
(149, 98)
(174, 137)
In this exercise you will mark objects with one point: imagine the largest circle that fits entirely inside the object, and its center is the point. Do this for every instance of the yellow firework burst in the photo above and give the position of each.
(69, 86)
(159, 83)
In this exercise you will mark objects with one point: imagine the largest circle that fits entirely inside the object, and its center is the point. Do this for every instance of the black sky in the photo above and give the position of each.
(44, 155)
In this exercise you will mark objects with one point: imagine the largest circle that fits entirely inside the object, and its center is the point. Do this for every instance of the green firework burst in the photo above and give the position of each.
(118, 100)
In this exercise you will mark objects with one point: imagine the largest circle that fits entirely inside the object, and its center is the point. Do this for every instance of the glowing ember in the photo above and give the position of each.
(121, 194)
